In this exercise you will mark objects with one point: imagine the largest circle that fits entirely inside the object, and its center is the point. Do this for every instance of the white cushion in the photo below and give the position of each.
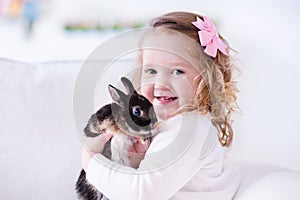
(39, 149)
(276, 186)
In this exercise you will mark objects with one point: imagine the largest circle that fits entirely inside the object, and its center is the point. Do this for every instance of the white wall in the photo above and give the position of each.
(266, 34)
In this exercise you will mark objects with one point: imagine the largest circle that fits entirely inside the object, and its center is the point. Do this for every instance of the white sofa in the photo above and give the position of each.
(40, 148)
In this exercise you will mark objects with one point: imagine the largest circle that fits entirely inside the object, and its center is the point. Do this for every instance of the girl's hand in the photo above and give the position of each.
(137, 152)
(92, 147)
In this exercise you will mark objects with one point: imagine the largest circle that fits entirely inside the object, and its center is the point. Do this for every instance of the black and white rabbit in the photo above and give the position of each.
(130, 117)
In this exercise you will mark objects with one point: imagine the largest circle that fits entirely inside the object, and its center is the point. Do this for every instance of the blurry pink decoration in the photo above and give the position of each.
(209, 37)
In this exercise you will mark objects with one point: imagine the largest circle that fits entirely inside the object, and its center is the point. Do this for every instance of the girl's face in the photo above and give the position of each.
(167, 81)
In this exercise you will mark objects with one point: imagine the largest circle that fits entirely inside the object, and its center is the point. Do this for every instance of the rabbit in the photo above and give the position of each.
(130, 117)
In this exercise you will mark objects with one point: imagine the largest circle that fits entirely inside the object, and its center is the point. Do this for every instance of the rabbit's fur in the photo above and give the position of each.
(130, 117)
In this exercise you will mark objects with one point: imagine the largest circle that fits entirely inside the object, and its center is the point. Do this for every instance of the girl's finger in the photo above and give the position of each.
(141, 146)
(107, 135)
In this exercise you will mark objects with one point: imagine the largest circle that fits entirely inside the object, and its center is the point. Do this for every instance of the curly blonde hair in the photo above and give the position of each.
(217, 93)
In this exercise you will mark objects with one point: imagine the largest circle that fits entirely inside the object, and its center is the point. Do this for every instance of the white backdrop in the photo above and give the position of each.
(265, 34)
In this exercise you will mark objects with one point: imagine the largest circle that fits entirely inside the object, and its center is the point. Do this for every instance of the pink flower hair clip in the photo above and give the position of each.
(209, 37)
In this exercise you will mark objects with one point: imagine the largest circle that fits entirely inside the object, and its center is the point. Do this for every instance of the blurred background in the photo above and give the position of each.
(265, 34)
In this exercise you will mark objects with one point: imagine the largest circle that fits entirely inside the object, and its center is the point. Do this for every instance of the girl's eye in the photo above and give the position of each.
(136, 111)
(177, 72)
(150, 71)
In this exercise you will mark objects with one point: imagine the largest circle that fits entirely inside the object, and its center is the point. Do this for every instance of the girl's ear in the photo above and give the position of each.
(115, 94)
(128, 85)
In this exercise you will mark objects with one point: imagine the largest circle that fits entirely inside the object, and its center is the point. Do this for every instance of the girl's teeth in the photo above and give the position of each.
(166, 98)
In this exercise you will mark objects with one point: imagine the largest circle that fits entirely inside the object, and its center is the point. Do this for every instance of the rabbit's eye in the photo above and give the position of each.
(137, 111)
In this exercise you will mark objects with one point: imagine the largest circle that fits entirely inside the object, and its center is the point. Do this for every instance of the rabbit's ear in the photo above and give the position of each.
(115, 94)
(128, 85)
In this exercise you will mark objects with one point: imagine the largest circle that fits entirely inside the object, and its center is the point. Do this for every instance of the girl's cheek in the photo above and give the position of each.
(185, 91)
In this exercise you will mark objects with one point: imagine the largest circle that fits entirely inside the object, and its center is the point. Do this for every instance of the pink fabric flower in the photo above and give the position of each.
(209, 37)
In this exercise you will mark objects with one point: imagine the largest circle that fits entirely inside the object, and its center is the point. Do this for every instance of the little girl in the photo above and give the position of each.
(187, 74)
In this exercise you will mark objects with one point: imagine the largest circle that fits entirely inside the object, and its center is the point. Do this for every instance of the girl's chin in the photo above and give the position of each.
(164, 109)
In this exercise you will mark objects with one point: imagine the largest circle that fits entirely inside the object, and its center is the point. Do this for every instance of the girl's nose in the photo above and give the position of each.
(162, 87)
(162, 83)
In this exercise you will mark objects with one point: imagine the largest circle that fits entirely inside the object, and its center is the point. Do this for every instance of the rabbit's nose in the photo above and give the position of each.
(153, 123)
(156, 125)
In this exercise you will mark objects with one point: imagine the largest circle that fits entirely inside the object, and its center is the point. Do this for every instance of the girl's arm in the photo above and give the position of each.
(164, 171)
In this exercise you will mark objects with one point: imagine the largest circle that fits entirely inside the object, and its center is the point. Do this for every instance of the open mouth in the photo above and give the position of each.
(165, 99)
